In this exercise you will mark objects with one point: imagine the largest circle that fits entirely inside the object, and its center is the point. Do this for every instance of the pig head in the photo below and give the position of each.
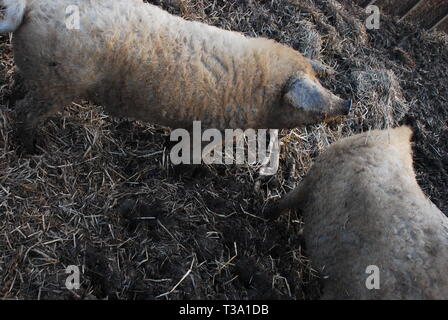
(305, 101)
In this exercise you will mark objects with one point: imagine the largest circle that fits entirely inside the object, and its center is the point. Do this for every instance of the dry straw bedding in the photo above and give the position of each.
(101, 194)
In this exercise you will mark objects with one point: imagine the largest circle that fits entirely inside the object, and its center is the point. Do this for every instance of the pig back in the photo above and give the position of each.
(364, 208)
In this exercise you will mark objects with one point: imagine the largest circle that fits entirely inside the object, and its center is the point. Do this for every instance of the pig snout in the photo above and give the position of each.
(313, 103)
(335, 106)
(341, 107)
(311, 96)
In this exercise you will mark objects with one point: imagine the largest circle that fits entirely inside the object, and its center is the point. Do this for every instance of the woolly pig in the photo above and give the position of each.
(362, 207)
(141, 62)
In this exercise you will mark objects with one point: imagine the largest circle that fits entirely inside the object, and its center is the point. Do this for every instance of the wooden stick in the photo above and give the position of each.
(439, 22)
(415, 6)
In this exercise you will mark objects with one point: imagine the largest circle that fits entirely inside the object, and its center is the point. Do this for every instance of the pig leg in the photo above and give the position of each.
(292, 200)
(31, 112)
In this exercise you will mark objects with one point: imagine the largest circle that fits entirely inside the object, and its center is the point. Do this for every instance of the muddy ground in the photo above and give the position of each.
(100, 193)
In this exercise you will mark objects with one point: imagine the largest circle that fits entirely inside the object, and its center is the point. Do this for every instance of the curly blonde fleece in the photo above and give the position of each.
(141, 62)
(362, 206)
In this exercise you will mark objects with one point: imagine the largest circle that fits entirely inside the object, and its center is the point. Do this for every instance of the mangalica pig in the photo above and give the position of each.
(369, 228)
(140, 62)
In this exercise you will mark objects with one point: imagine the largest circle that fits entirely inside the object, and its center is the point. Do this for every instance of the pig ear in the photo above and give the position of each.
(302, 93)
(320, 68)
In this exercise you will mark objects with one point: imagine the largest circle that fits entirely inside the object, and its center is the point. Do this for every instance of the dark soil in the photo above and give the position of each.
(101, 195)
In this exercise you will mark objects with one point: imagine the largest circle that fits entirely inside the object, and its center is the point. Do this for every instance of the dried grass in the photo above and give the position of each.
(101, 194)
